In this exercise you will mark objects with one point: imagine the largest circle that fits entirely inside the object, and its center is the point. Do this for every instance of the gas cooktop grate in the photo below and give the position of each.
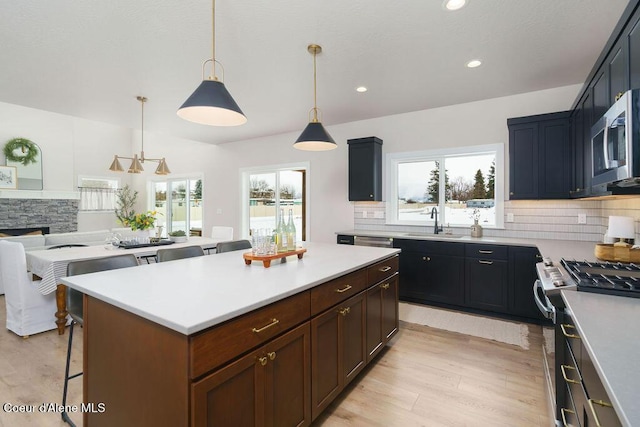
(605, 277)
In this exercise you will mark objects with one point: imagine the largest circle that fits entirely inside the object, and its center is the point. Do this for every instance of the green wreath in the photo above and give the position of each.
(28, 148)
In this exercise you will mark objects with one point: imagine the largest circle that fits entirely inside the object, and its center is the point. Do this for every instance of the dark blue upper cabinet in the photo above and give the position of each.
(540, 156)
(365, 169)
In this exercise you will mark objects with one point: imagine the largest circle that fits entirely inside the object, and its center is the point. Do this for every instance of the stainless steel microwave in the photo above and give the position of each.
(615, 145)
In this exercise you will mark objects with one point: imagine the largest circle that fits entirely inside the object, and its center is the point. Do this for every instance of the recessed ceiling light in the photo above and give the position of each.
(361, 89)
(474, 63)
(454, 4)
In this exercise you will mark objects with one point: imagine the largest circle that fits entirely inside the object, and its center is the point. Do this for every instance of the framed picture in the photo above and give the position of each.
(8, 178)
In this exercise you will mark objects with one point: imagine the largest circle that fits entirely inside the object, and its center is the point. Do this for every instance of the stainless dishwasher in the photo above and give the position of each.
(380, 242)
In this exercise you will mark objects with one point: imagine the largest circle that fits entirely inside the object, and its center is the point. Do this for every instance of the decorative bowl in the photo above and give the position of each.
(178, 239)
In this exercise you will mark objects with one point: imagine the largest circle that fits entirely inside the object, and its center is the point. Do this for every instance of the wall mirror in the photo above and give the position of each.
(29, 176)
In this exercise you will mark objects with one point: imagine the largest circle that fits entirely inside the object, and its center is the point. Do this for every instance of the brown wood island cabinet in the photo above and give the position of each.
(279, 365)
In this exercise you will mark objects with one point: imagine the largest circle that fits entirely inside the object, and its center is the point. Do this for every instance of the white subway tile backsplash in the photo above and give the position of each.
(535, 219)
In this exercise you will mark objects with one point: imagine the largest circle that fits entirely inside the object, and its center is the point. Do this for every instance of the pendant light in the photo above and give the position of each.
(314, 137)
(136, 162)
(211, 103)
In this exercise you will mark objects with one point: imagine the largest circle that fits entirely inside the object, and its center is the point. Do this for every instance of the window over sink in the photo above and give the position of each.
(460, 183)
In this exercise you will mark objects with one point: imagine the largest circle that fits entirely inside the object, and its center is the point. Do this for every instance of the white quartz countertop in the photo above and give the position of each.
(607, 326)
(190, 295)
(554, 249)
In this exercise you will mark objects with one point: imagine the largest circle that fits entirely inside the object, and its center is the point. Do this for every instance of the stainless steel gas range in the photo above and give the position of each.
(584, 276)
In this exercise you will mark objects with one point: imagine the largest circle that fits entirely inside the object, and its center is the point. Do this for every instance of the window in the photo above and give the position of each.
(97, 194)
(269, 192)
(179, 204)
(461, 184)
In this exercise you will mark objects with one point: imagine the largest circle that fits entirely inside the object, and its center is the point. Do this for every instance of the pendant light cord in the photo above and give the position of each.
(142, 100)
(315, 100)
(213, 40)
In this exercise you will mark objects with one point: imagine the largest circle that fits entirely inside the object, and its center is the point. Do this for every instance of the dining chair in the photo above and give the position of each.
(232, 245)
(28, 310)
(75, 309)
(171, 254)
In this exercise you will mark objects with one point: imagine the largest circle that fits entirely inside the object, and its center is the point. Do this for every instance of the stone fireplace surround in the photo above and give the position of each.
(60, 215)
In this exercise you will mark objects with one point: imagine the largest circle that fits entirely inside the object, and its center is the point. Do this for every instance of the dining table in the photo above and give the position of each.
(50, 265)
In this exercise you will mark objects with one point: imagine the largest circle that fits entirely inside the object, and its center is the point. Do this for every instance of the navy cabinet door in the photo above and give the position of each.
(523, 161)
(365, 169)
(486, 284)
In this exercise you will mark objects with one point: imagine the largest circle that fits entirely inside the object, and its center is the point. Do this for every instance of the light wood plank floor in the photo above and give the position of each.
(426, 377)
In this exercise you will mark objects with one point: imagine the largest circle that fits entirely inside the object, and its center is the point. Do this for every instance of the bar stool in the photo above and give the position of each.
(74, 305)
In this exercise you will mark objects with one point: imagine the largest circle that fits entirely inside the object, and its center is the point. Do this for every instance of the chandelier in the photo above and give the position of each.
(136, 162)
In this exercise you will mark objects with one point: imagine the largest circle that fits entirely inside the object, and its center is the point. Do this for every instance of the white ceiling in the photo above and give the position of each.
(91, 58)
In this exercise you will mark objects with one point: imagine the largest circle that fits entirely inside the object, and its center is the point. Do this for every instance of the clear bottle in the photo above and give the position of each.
(291, 232)
(281, 233)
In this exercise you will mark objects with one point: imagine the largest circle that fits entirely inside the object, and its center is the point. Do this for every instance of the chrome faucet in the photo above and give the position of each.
(436, 229)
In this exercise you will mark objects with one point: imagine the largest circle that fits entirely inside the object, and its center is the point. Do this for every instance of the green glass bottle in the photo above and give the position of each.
(291, 232)
(281, 233)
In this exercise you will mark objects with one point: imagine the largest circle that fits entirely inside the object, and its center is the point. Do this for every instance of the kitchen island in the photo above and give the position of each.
(210, 340)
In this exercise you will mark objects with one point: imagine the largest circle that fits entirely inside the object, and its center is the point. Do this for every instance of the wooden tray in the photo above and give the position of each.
(266, 259)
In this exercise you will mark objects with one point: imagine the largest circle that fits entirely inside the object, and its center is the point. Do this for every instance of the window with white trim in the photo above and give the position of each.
(461, 184)
(97, 194)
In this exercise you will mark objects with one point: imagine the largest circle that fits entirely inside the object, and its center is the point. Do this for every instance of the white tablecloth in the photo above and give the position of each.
(51, 265)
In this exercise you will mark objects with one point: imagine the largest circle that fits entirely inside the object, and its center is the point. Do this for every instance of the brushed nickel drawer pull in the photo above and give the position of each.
(484, 252)
(564, 327)
(344, 311)
(385, 269)
(385, 286)
(481, 261)
(345, 289)
(565, 376)
(274, 322)
(593, 410)
(262, 360)
(564, 417)
(426, 258)
(272, 355)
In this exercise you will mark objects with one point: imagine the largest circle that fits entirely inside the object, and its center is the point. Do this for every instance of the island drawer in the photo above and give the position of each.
(224, 342)
(383, 269)
(337, 290)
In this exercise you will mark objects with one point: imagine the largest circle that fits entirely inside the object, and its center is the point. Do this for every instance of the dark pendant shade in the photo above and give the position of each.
(212, 104)
(315, 138)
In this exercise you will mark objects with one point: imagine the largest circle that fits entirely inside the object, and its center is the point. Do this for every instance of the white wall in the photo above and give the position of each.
(477, 123)
(73, 146)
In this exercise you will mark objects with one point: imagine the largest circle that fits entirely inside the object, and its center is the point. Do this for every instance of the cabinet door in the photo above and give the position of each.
(445, 279)
(618, 64)
(486, 284)
(523, 161)
(326, 383)
(577, 147)
(375, 340)
(215, 398)
(413, 276)
(353, 323)
(587, 122)
(554, 159)
(365, 169)
(600, 95)
(382, 315)
(390, 315)
(633, 39)
(522, 275)
(288, 379)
